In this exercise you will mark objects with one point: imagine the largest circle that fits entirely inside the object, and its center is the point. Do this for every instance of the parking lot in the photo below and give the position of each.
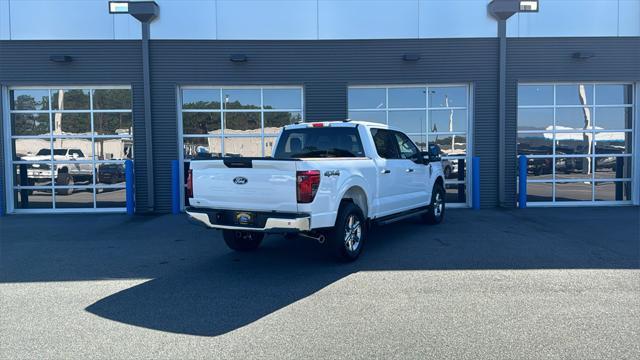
(553, 283)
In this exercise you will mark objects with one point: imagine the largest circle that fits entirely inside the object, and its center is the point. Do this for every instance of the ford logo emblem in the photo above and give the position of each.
(240, 180)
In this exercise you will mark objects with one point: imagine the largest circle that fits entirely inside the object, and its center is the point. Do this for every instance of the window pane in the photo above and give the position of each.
(29, 99)
(72, 174)
(30, 124)
(535, 119)
(202, 148)
(613, 191)
(574, 118)
(447, 120)
(201, 98)
(454, 169)
(367, 98)
(111, 198)
(36, 174)
(613, 94)
(450, 144)
(72, 149)
(31, 149)
(535, 95)
(372, 116)
(384, 142)
(269, 145)
(242, 123)
(573, 191)
(274, 121)
(578, 94)
(613, 118)
(241, 98)
(573, 143)
(613, 167)
(573, 168)
(114, 148)
(32, 199)
(112, 99)
(448, 96)
(74, 198)
(282, 98)
(408, 150)
(613, 143)
(540, 169)
(407, 98)
(535, 144)
(201, 123)
(111, 174)
(539, 192)
(72, 124)
(456, 193)
(420, 141)
(319, 142)
(70, 99)
(408, 121)
(112, 124)
(244, 146)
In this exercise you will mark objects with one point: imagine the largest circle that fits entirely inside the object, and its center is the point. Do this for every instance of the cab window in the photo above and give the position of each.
(408, 150)
(386, 145)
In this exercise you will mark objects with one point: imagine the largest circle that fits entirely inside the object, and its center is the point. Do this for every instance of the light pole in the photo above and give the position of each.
(145, 12)
(501, 10)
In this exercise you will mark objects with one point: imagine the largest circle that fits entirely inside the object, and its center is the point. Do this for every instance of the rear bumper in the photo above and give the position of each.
(264, 221)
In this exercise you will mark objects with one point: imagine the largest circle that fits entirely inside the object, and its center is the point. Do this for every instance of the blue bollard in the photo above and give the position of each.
(128, 176)
(175, 187)
(522, 182)
(475, 181)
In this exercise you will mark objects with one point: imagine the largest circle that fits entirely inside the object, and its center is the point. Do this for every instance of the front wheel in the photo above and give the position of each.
(435, 214)
(348, 235)
(242, 240)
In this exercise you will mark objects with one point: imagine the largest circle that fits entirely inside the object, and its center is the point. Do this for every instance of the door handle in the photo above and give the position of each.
(385, 171)
(410, 170)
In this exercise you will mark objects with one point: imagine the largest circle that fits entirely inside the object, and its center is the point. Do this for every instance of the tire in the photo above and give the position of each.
(447, 172)
(436, 211)
(348, 235)
(64, 179)
(242, 240)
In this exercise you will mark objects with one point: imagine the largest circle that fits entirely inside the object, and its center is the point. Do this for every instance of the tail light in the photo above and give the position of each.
(189, 185)
(307, 185)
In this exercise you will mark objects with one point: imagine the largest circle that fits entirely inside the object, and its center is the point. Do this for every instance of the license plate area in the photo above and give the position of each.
(244, 218)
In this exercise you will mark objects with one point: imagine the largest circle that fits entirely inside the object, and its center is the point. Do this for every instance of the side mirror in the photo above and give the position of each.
(75, 156)
(434, 153)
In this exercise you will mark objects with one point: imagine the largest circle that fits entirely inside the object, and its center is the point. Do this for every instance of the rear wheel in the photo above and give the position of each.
(349, 233)
(65, 179)
(242, 240)
(435, 214)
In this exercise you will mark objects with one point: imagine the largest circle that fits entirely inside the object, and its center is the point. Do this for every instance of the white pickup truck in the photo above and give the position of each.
(326, 180)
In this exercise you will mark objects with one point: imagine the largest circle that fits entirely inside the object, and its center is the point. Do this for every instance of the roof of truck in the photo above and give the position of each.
(334, 123)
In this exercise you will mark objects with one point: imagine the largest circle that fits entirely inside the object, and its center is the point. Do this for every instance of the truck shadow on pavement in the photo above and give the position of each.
(198, 287)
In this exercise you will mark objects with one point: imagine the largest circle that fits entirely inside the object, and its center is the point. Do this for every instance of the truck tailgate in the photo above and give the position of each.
(259, 185)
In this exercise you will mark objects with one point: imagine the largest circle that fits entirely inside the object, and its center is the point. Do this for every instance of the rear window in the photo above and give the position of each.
(319, 142)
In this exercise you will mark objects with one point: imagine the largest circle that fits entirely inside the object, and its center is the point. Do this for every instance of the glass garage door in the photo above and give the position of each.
(68, 146)
(429, 115)
(578, 141)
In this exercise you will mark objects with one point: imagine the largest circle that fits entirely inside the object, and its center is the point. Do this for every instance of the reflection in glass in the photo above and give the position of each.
(611, 94)
(31, 149)
(241, 98)
(613, 167)
(32, 199)
(243, 146)
(367, 98)
(450, 96)
(372, 116)
(456, 193)
(413, 97)
(574, 143)
(71, 124)
(574, 118)
(114, 148)
(535, 143)
(535, 119)
(72, 174)
(447, 120)
(33, 174)
(613, 118)
(450, 144)
(539, 168)
(454, 169)
(201, 98)
(74, 198)
(111, 198)
(202, 148)
(274, 121)
(613, 143)
(613, 191)
(112, 99)
(535, 95)
(289, 99)
(112, 124)
(574, 191)
(69, 99)
(72, 149)
(29, 99)
(30, 124)
(539, 192)
(110, 174)
(420, 141)
(576, 94)
(201, 123)
(574, 167)
(408, 121)
(242, 123)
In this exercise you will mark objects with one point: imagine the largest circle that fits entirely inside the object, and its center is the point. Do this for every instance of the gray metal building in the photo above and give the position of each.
(225, 75)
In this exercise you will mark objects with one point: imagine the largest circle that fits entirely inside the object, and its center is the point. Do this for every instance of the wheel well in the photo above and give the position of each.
(440, 181)
(356, 195)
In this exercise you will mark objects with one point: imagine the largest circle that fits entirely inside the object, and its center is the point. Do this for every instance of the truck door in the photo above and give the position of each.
(417, 174)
